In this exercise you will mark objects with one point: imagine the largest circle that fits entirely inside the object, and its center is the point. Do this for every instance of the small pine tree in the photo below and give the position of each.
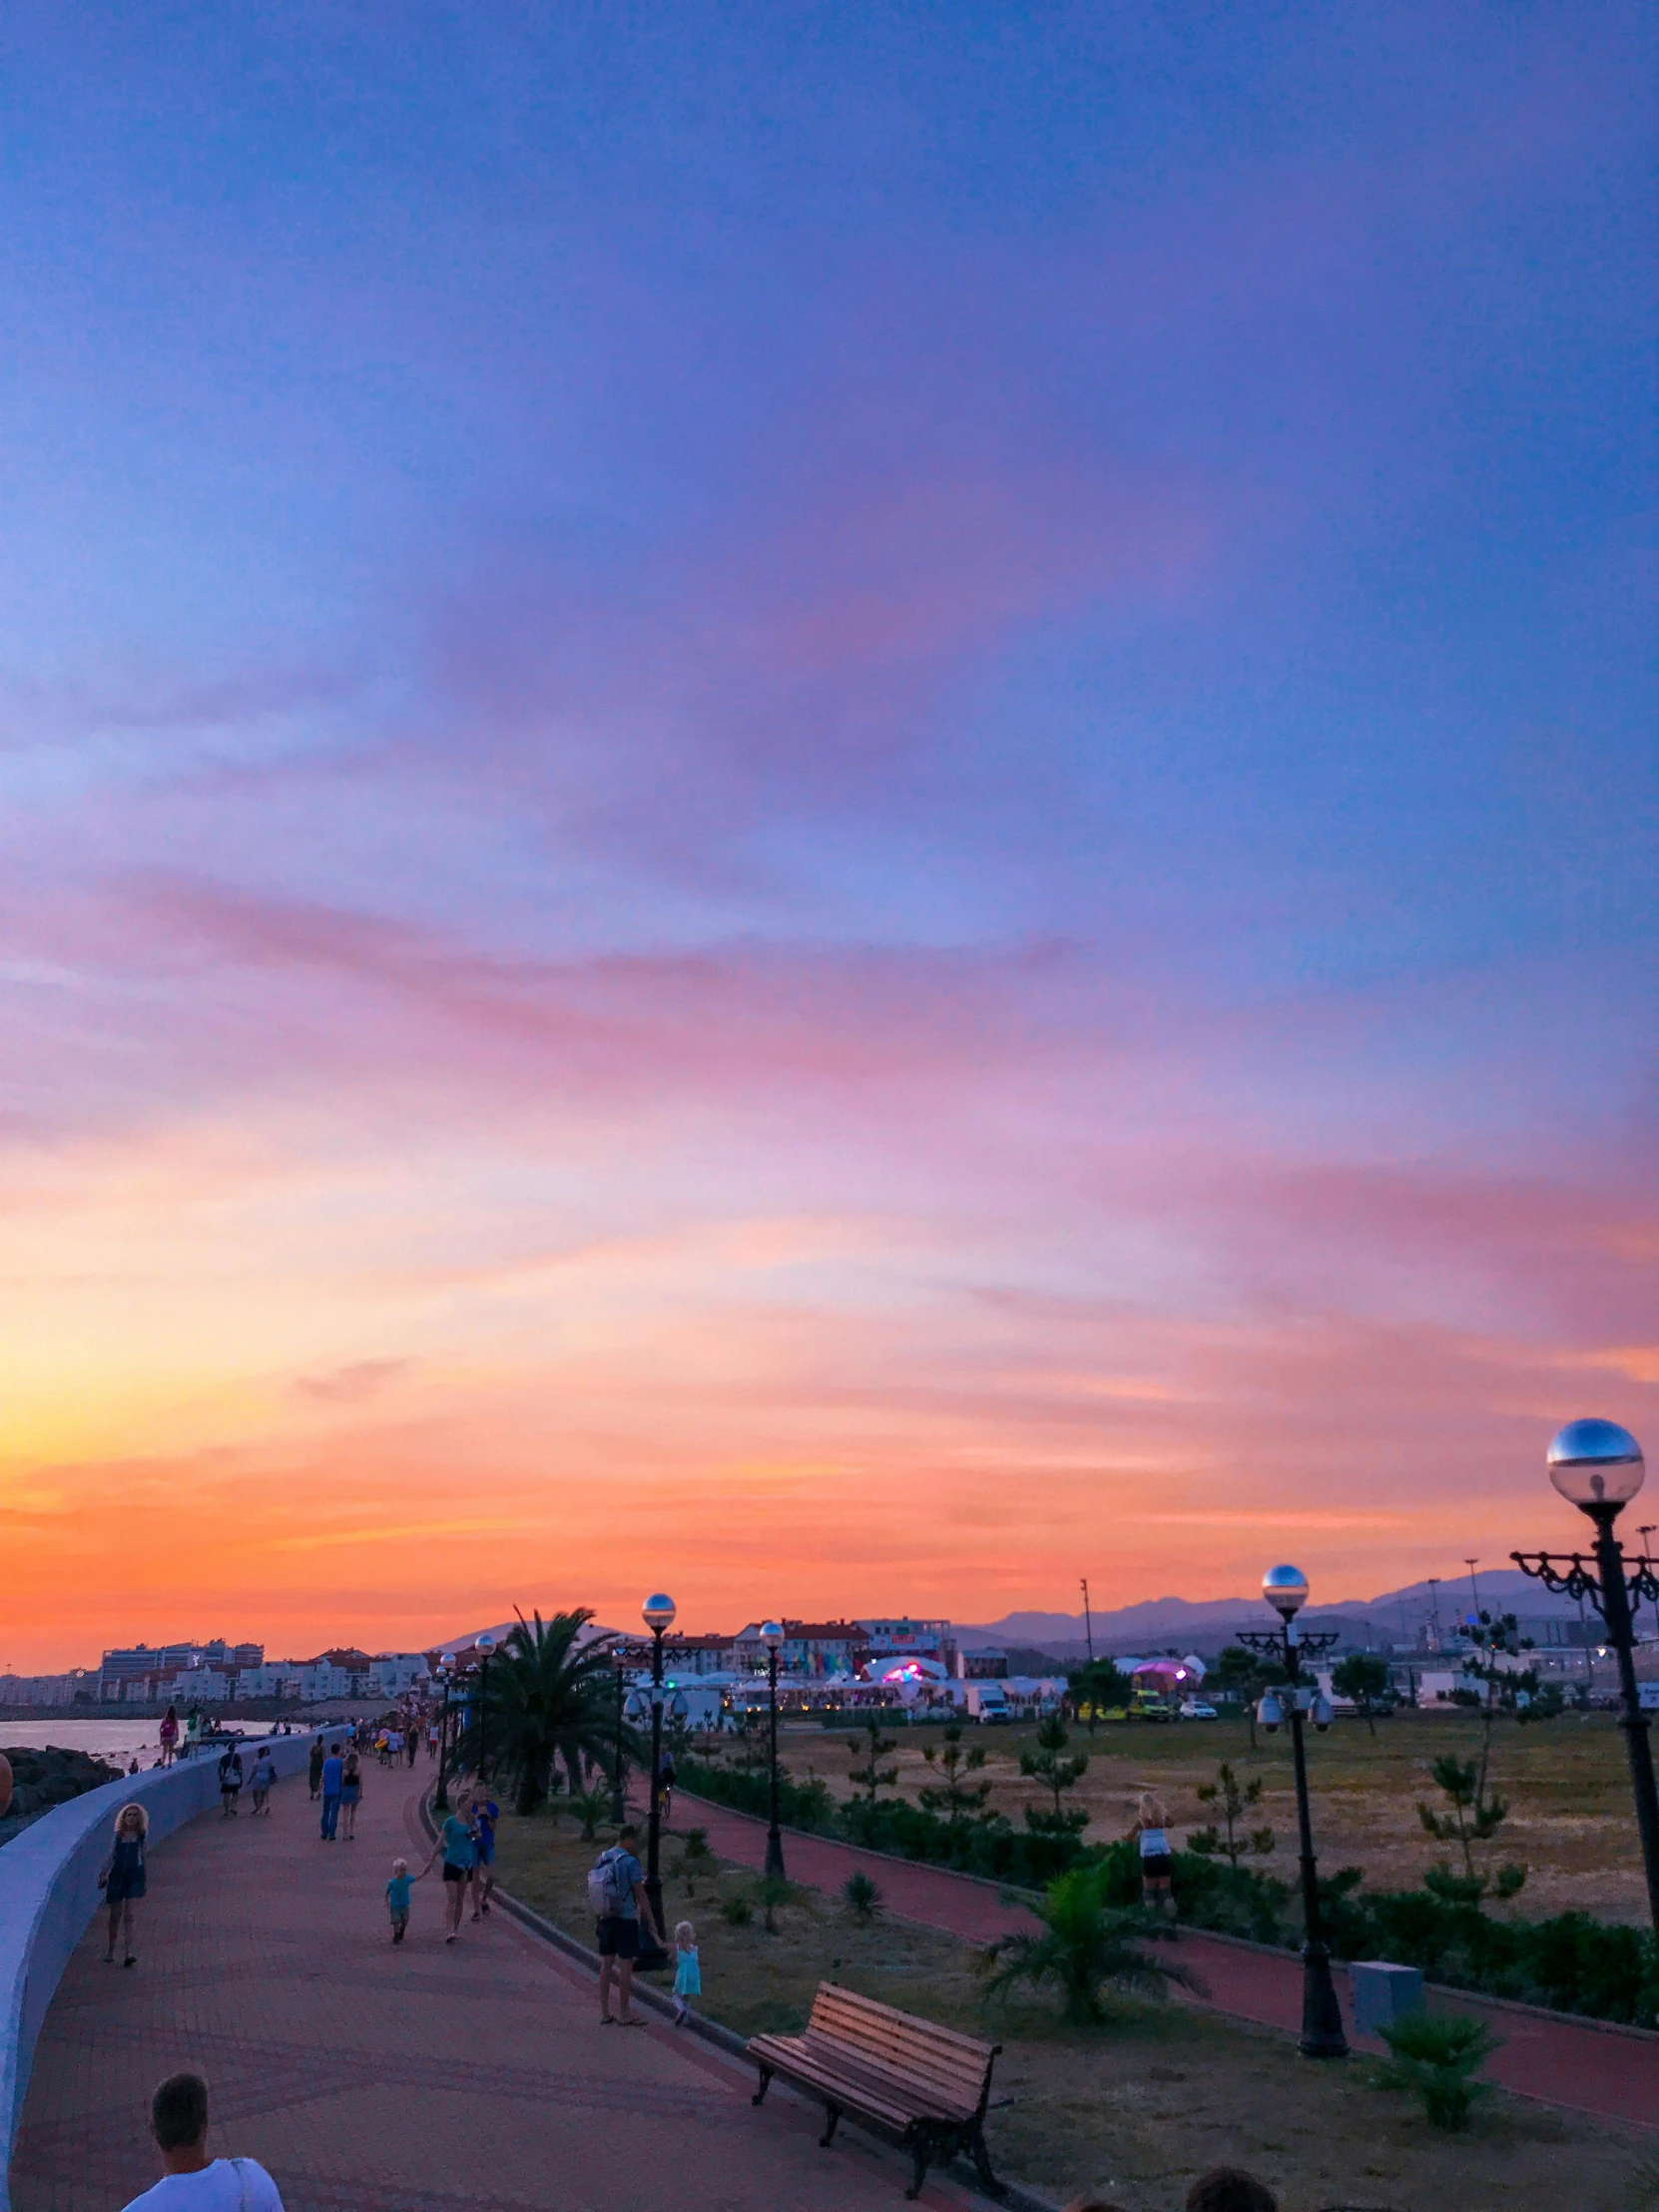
(1476, 1816)
(872, 1775)
(955, 1799)
(1050, 1765)
(1234, 1800)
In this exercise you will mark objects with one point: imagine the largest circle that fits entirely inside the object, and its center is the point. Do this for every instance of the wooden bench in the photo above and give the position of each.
(923, 2088)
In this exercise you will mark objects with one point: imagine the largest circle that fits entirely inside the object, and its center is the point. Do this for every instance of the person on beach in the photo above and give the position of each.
(230, 1782)
(455, 1843)
(350, 1794)
(333, 1776)
(315, 1770)
(170, 1736)
(190, 2183)
(615, 1890)
(486, 1814)
(264, 1779)
(397, 1899)
(1157, 1861)
(687, 1974)
(121, 1880)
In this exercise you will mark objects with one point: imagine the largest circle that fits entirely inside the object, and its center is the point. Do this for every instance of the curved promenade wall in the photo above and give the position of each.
(49, 1891)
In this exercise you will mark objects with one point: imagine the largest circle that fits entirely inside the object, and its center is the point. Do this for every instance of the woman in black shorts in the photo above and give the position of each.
(1156, 1860)
(123, 1876)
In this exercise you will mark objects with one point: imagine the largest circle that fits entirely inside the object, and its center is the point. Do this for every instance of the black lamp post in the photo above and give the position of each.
(440, 1796)
(485, 1648)
(619, 1808)
(658, 1612)
(1285, 1590)
(1598, 1467)
(772, 1635)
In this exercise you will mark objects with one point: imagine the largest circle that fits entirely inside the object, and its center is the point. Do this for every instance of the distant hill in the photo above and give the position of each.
(1396, 1616)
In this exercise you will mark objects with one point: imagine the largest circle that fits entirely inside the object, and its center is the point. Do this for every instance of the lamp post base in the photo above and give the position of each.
(1321, 2015)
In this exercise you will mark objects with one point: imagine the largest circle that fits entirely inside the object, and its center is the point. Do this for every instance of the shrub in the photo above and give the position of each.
(862, 1896)
(1086, 1944)
(696, 1845)
(1434, 2056)
(737, 1911)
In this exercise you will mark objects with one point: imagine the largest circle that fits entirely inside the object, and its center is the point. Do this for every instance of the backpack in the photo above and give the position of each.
(609, 1889)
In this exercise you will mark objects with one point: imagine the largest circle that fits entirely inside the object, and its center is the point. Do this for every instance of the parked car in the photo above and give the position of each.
(1193, 1709)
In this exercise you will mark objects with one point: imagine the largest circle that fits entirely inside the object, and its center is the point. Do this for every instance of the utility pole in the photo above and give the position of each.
(1088, 1623)
(1434, 1609)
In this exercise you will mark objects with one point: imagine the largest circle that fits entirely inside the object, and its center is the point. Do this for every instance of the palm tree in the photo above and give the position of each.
(551, 1702)
(1084, 1944)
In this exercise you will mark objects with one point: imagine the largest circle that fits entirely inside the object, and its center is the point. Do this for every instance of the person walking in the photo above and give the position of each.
(230, 1782)
(170, 1735)
(397, 1899)
(314, 1768)
(616, 1892)
(486, 1814)
(265, 1781)
(190, 2183)
(350, 1796)
(122, 1878)
(1157, 1861)
(665, 1785)
(334, 1776)
(455, 1843)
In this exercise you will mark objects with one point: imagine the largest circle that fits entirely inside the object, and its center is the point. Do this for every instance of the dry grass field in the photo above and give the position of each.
(1566, 1781)
(1133, 2110)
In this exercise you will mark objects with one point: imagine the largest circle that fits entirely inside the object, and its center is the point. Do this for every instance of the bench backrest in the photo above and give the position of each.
(958, 2065)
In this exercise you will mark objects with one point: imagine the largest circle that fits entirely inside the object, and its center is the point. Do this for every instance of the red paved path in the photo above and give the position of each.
(429, 2078)
(1563, 2061)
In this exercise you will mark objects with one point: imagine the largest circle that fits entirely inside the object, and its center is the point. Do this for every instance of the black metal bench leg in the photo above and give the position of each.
(832, 2116)
(983, 2165)
(766, 2083)
(921, 2151)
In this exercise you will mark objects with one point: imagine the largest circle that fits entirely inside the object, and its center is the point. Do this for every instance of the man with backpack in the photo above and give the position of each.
(616, 1892)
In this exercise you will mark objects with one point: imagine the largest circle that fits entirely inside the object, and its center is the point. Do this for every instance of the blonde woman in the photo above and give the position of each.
(1157, 1861)
(122, 1881)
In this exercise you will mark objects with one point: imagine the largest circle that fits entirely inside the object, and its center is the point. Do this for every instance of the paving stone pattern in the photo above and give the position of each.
(425, 2077)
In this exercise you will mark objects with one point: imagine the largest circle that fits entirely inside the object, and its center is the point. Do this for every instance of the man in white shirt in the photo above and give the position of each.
(192, 2181)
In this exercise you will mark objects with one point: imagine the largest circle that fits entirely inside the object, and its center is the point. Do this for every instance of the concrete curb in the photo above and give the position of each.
(1014, 2194)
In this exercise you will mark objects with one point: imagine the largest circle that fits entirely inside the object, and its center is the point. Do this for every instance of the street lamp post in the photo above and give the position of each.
(485, 1646)
(1285, 1590)
(1598, 1467)
(440, 1796)
(658, 1612)
(619, 1808)
(772, 1635)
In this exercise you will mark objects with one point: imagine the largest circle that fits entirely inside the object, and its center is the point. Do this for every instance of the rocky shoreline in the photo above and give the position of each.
(44, 1777)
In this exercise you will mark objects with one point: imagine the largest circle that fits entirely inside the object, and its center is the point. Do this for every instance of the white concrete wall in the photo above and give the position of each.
(49, 1891)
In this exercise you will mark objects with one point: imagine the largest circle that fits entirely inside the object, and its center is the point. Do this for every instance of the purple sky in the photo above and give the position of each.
(831, 762)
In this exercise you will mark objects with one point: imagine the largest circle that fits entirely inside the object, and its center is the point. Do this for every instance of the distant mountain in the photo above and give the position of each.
(1398, 1615)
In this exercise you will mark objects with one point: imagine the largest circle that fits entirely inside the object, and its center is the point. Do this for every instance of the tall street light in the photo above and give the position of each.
(1598, 1467)
(440, 1796)
(1285, 1590)
(485, 1646)
(772, 1635)
(658, 1614)
(619, 1662)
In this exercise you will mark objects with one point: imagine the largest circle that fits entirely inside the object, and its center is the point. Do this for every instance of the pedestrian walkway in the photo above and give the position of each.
(1612, 2072)
(427, 2078)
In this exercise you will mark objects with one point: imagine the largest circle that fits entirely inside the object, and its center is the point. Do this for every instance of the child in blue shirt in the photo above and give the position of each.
(687, 1974)
(397, 1899)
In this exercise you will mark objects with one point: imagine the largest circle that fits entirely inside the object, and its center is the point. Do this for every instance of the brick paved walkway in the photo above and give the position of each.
(1611, 2073)
(431, 2078)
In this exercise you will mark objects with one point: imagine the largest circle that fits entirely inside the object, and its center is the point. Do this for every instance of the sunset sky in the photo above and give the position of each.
(844, 806)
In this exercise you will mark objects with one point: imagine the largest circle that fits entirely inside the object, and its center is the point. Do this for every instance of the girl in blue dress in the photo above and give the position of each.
(122, 1881)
